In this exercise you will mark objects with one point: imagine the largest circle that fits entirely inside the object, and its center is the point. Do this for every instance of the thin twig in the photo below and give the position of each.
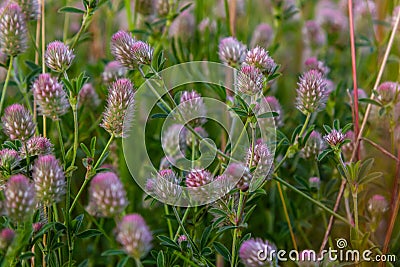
(384, 151)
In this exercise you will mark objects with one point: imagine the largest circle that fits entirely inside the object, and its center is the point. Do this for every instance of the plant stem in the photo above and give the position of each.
(76, 132)
(60, 139)
(319, 204)
(355, 205)
(168, 221)
(285, 211)
(3, 93)
(240, 136)
(191, 263)
(138, 262)
(237, 231)
(129, 15)
(183, 221)
(89, 175)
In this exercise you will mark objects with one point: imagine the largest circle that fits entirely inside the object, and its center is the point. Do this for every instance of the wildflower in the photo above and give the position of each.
(262, 36)
(117, 118)
(330, 17)
(59, 56)
(121, 44)
(37, 226)
(237, 171)
(192, 108)
(313, 63)
(259, 58)
(198, 178)
(313, 146)
(107, 196)
(13, 30)
(275, 107)
(388, 92)
(261, 159)
(183, 27)
(134, 235)
(231, 51)
(6, 238)
(88, 97)
(18, 122)
(312, 92)
(165, 185)
(20, 198)
(249, 252)
(50, 96)
(37, 145)
(377, 204)
(30, 8)
(49, 179)
(335, 138)
(113, 71)
(142, 53)
(250, 80)
(182, 238)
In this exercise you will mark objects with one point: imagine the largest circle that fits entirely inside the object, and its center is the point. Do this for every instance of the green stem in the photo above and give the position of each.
(76, 132)
(355, 205)
(191, 263)
(237, 231)
(168, 221)
(184, 230)
(89, 175)
(183, 220)
(319, 204)
(240, 136)
(285, 211)
(138, 262)
(129, 14)
(60, 139)
(86, 18)
(3, 94)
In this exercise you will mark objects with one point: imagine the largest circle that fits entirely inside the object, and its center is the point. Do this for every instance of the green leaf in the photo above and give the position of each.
(347, 127)
(160, 259)
(295, 133)
(323, 154)
(76, 223)
(366, 167)
(71, 9)
(269, 114)
(113, 252)
(221, 249)
(26, 255)
(89, 233)
(370, 101)
(224, 228)
(166, 241)
(205, 236)
(103, 158)
(123, 262)
(327, 128)
(159, 116)
(85, 150)
(93, 145)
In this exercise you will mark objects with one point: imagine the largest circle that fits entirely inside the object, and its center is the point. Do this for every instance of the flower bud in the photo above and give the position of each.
(37, 145)
(192, 108)
(314, 182)
(165, 185)
(198, 178)
(377, 204)
(13, 30)
(107, 196)
(30, 8)
(118, 117)
(312, 92)
(6, 238)
(9, 159)
(20, 198)
(249, 253)
(334, 138)
(250, 80)
(231, 51)
(50, 96)
(388, 92)
(183, 26)
(134, 235)
(313, 34)
(261, 158)
(259, 58)
(121, 43)
(58, 56)
(142, 53)
(313, 63)
(18, 123)
(49, 179)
